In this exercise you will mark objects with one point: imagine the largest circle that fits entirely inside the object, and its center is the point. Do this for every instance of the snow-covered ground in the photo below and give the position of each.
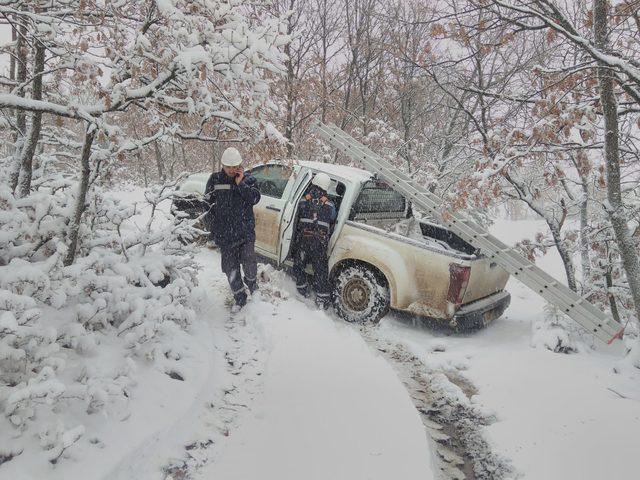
(557, 416)
(331, 407)
(306, 398)
(279, 391)
(282, 391)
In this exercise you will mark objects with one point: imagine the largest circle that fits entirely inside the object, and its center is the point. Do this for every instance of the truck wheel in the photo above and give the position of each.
(359, 296)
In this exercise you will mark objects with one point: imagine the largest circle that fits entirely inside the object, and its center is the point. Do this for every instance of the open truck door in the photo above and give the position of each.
(275, 183)
(288, 225)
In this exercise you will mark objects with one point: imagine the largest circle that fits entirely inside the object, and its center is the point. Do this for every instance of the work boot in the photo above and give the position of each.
(323, 302)
(236, 308)
(252, 286)
(241, 300)
(303, 290)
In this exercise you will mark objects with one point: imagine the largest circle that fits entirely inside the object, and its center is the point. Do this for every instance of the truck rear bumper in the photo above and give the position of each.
(480, 313)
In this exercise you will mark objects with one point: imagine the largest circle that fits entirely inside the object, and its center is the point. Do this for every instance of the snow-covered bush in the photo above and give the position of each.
(555, 332)
(127, 292)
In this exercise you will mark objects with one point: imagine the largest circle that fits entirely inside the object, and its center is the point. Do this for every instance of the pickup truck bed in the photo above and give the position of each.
(425, 277)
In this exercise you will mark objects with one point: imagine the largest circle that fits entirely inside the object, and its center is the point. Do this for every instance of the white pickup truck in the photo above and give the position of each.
(381, 257)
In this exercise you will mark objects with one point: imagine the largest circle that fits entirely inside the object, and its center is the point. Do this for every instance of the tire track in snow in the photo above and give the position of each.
(452, 422)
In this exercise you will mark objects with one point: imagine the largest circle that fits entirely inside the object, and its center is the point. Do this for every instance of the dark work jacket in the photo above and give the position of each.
(230, 216)
(316, 217)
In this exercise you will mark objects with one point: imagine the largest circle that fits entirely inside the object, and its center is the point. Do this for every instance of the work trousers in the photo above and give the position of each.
(231, 258)
(314, 251)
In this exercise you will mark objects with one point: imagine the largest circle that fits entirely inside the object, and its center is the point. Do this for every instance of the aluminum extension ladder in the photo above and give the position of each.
(600, 325)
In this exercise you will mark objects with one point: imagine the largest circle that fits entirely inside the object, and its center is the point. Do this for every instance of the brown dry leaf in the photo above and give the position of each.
(437, 29)
(551, 35)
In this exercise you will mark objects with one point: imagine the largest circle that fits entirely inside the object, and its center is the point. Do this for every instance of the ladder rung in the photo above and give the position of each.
(501, 252)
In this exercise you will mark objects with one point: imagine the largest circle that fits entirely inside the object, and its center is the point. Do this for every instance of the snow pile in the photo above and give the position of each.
(127, 294)
(272, 282)
(410, 228)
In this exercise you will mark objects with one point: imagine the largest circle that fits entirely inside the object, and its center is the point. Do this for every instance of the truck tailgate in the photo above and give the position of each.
(486, 279)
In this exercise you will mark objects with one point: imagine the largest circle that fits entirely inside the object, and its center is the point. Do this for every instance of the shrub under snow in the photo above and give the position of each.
(71, 336)
(555, 332)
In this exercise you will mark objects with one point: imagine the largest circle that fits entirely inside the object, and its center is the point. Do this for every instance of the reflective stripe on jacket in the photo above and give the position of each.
(316, 217)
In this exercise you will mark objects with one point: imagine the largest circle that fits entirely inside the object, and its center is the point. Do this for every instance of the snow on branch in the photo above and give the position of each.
(552, 17)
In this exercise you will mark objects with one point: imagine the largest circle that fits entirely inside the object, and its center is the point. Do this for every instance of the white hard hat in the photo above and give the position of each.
(231, 157)
(322, 180)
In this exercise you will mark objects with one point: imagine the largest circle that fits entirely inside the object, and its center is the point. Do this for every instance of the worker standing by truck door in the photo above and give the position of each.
(316, 219)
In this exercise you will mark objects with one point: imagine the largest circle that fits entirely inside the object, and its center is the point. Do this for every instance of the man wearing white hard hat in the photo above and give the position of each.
(231, 195)
(316, 218)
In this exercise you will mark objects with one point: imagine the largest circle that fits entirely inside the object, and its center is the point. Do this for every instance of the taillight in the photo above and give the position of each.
(458, 281)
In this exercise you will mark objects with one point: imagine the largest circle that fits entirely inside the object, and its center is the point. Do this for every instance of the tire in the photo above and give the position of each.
(359, 295)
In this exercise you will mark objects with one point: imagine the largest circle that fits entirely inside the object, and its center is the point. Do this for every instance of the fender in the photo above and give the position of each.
(353, 245)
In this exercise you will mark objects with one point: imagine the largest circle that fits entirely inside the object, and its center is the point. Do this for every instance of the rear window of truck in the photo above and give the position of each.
(377, 197)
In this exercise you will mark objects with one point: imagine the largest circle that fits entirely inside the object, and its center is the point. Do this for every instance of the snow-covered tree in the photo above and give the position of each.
(78, 276)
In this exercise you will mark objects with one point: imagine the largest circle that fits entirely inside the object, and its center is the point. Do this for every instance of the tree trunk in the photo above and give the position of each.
(74, 228)
(446, 149)
(290, 102)
(565, 255)
(290, 99)
(615, 208)
(184, 155)
(12, 61)
(584, 240)
(555, 227)
(407, 106)
(143, 167)
(21, 115)
(29, 148)
(216, 156)
(323, 62)
(159, 161)
(613, 305)
(174, 159)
